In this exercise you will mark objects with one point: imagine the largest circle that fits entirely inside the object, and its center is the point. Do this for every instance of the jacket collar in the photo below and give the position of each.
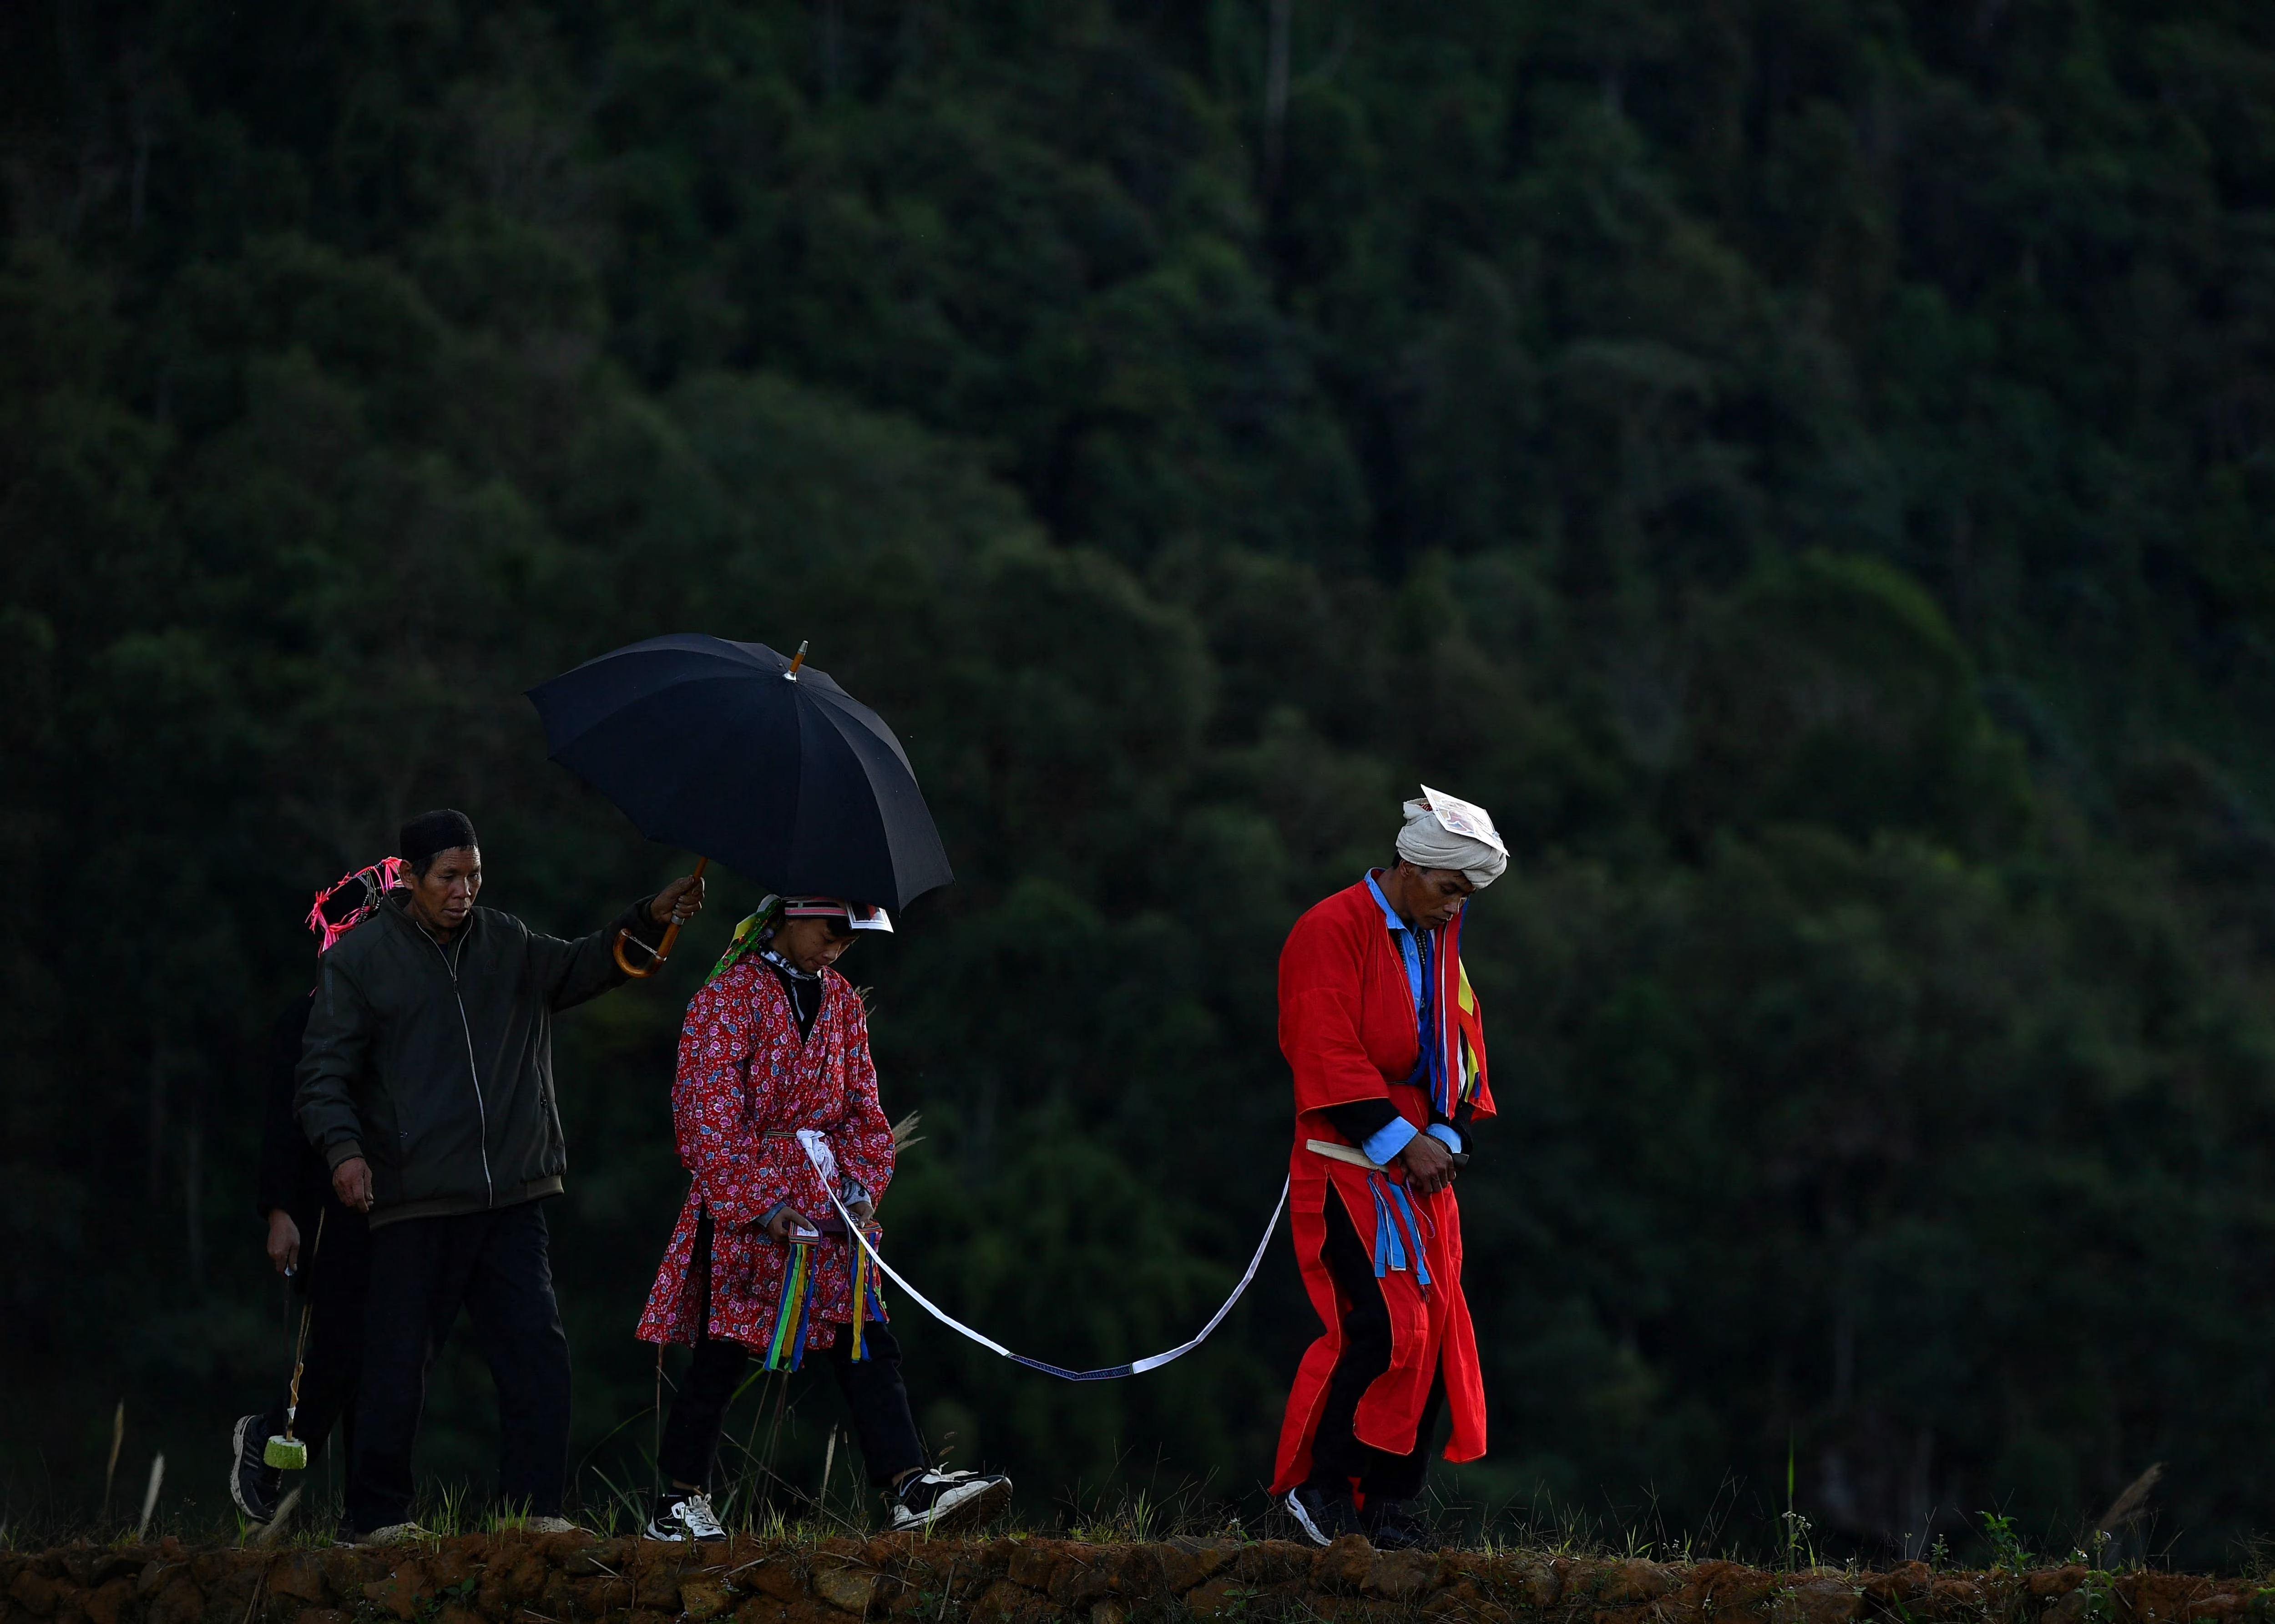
(397, 905)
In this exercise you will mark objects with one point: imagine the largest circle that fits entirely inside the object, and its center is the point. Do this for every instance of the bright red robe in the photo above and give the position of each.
(1348, 1027)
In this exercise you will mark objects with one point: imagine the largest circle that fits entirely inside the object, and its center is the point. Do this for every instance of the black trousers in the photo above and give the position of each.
(336, 1271)
(872, 1388)
(423, 1270)
(1337, 1457)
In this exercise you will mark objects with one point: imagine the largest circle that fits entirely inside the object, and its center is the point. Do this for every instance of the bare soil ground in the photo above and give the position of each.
(516, 1578)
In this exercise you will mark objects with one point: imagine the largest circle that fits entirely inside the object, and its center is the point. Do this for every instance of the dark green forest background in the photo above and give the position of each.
(1804, 464)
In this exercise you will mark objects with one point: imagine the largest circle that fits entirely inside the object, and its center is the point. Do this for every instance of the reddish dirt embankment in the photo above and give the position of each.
(570, 1578)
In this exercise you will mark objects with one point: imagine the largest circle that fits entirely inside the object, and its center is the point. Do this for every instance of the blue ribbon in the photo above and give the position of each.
(1389, 1253)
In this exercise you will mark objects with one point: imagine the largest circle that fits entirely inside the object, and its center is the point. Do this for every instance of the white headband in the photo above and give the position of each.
(1444, 831)
(860, 916)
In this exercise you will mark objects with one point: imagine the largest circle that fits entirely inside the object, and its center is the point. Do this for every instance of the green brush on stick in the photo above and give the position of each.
(283, 1451)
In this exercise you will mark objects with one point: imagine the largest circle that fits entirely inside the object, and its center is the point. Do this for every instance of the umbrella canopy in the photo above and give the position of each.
(727, 750)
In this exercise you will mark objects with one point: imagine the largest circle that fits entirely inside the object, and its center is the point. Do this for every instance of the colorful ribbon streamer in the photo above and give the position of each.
(867, 1304)
(1453, 1063)
(787, 1350)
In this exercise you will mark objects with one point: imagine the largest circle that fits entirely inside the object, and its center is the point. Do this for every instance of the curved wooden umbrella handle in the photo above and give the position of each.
(660, 955)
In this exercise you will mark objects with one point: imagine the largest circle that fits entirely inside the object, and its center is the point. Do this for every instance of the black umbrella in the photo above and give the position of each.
(734, 752)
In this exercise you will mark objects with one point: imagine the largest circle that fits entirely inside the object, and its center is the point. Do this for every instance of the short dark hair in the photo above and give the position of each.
(426, 837)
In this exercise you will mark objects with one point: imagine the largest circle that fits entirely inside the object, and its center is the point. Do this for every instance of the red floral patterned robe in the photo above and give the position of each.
(746, 1084)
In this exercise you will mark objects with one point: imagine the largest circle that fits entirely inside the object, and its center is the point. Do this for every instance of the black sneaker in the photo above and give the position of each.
(253, 1484)
(1397, 1525)
(682, 1516)
(938, 1502)
(1323, 1514)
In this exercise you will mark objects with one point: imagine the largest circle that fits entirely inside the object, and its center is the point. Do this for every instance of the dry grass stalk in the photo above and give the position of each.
(2129, 1505)
(110, 1471)
(150, 1497)
(275, 1530)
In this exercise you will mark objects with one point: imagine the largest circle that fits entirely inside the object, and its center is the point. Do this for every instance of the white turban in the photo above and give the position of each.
(1443, 831)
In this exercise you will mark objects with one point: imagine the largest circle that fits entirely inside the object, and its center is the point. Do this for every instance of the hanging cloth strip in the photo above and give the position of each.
(1391, 1206)
(787, 1350)
(1449, 1060)
(816, 1148)
(1453, 1063)
(793, 1312)
(866, 1305)
(1391, 1201)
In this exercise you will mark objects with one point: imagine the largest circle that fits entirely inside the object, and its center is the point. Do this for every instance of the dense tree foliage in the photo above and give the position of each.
(1806, 465)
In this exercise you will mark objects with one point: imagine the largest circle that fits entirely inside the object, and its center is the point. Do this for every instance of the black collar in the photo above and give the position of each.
(399, 902)
(786, 968)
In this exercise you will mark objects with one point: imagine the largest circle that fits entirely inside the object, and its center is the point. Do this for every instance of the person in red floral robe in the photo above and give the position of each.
(773, 1058)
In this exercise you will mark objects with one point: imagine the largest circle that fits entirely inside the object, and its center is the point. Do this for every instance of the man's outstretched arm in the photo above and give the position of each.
(572, 972)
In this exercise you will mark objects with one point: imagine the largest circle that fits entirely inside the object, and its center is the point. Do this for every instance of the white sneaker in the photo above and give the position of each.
(938, 1502)
(393, 1534)
(682, 1517)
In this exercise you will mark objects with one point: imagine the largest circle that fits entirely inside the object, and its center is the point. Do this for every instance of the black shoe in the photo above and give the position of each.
(1397, 1525)
(938, 1502)
(1323, 1514)
(685, 1516)
(253, 1484)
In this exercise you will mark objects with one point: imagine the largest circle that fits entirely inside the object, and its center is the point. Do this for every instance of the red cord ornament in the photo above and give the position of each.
(348, 902)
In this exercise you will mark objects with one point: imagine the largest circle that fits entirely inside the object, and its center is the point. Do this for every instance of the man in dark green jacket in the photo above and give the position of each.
(426, 1083)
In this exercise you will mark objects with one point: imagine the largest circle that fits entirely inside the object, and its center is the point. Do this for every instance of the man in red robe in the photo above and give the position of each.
(1381, 1029)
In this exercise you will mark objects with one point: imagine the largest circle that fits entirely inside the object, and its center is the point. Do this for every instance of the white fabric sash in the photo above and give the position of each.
(825, 1163)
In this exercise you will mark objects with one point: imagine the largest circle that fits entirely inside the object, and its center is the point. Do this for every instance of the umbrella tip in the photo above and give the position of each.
(795, 661)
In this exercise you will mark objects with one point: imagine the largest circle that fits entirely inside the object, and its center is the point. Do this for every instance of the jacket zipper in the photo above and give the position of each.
(474, 1072)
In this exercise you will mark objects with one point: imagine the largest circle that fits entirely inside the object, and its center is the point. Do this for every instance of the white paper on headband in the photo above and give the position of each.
(1457, 816)
(858, 916)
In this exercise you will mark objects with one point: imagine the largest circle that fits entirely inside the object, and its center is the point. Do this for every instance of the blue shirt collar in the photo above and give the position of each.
(1413, 946)
(1389, 914)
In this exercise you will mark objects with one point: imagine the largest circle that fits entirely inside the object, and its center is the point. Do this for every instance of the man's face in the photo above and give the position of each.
(444, 894)
(1429, 897)
(810, 944)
